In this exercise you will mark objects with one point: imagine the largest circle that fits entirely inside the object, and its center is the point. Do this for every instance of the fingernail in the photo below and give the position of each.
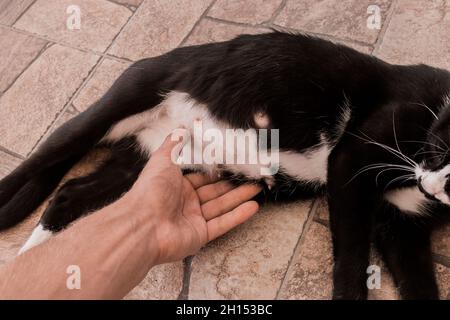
(180, 134)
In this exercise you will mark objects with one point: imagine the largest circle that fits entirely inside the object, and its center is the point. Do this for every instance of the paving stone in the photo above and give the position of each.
(163, 282)
(245, 11)
(345, 19)
(7, 163)
(208, 31)
(418, 33)
(443, 279)
(250, 262)
(103, 78)
(310, 274)
(29, 107)
(17, 51)
(157, 27)
(101, 21)
(10, 10)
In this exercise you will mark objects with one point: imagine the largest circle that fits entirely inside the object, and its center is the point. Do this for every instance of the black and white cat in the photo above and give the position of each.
(374, 136)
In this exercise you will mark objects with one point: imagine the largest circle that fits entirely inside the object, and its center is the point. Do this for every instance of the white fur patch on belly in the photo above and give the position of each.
(408, 200)
(311, 165)
(180, 110)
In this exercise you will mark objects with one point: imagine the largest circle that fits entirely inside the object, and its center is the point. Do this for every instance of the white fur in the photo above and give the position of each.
(180, 110)
(434, 182)
(38, 236)
(311, 165)
(408, 200)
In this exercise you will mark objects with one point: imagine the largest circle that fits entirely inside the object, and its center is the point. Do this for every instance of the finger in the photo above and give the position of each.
(167, 154)
(212, 191)
(172, 145)
(229, 200)
(223, 224)
(198, 180)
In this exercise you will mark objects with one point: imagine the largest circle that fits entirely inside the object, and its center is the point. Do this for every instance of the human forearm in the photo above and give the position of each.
(113, 249)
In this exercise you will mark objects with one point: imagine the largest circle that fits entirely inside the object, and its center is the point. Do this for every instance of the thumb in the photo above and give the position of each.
(173, 144)
(167, 154)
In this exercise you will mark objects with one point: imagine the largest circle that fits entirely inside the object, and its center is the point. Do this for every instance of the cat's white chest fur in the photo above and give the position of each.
(409, 200)
(180, 110)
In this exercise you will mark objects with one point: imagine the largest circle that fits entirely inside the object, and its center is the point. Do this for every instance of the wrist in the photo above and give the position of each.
(141, 227)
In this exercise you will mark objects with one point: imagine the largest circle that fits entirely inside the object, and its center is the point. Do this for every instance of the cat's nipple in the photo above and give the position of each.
(262, 120)
(270, 182)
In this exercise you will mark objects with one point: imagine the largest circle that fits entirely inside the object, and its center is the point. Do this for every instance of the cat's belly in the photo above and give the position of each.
(180, 110)
(215, 146)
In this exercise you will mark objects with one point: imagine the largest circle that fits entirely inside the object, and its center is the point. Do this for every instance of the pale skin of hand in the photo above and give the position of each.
(164, 217)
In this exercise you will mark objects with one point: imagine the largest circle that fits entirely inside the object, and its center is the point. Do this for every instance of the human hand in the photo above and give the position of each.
(186, 211)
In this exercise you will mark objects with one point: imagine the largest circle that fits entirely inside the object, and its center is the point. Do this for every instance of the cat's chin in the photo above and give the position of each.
(442, 198)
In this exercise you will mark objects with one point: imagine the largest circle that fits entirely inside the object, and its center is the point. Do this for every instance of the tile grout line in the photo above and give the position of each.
(128, 6)
(203, 15)
(39, 54)
(187, 271)
(232, 23)
(12, 153)
(64, 44)
(441, 259)
(23, 12)
(381, 34)
(323, 222)
(310, 219)
(277, 12)
(120, 31)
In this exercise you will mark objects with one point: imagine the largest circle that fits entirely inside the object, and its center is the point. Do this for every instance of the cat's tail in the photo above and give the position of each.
(22, 191)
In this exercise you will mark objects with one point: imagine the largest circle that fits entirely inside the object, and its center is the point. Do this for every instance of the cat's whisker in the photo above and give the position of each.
(388, 169)
(396, 140)
(404, 177)
(425, 142)
(384, 166)
(426, 107)
(391, 150)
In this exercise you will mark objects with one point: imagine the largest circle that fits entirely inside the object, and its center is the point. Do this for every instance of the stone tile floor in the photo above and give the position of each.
(49, 73)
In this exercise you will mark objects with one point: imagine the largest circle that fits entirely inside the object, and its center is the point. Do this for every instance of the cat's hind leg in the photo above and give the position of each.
(80, 196)
(404, 244)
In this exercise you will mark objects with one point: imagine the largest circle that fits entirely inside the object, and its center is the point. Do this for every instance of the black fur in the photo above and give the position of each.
(302, 83)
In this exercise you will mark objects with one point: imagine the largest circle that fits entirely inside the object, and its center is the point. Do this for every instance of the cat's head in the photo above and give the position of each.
(433, 173)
